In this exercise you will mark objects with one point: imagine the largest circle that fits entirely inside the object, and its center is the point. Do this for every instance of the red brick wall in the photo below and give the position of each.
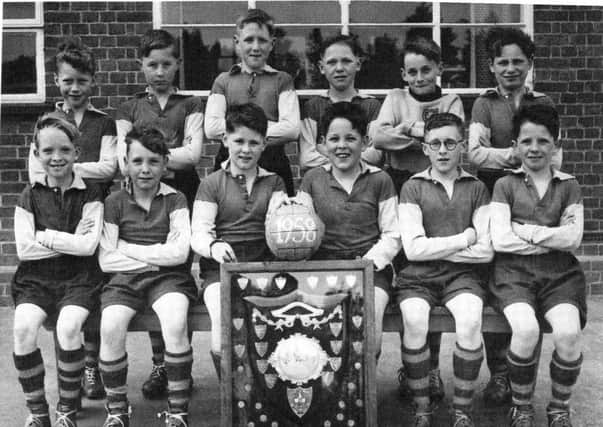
(569, 67)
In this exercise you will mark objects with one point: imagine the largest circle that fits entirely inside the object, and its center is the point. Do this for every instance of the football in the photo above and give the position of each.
(294, 232)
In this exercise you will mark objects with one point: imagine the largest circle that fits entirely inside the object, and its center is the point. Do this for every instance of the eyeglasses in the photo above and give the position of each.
(450, 144)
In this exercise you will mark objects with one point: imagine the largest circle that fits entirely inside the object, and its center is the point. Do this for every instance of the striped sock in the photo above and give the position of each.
(416, 363)
(466, 365)
(157, 347)
(30, 368)
(434, 339)
(522, 376)
(178, 369)
(564, 375)
(115, 375)
(91, 347)
(70, 371)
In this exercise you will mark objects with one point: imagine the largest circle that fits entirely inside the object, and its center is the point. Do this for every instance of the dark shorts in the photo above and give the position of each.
(437, 282)
(54, 283)
(256, 251)
(542, 281)
(381, 279)
(140, 290)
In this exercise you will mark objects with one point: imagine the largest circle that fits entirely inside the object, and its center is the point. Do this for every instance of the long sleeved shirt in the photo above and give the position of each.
(135, 239)
(432, 223)
(97, 160)
(491, 130)
(364, 219)
(181, 120)
(270, 89)
(394, 132)
(313, 112)
(224, 209)
(48, 223)
(525, 224)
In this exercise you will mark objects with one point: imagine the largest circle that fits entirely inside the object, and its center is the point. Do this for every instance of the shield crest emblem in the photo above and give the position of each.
(299, 400)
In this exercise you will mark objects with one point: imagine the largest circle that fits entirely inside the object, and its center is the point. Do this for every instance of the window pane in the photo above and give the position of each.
(382, 47)
(379, 12)
(190, 12)
(465, 58)
(21, 10)
(480, 13)
(19, 62)
(302, 12)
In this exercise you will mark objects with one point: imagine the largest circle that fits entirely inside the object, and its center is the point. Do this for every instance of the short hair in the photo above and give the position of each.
(422, 46)
(345, 110)
(150, 137)
(499, 37)
(540, 114)
(256, 16)
(349, 41)
(439, 120)
(247, 115)
(157, 39)
(57, 121)
(73, 52)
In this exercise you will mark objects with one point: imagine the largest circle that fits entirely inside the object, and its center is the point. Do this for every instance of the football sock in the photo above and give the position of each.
(115, 375)
(416, 363)
(178, 369)
(522, 376)
(30, 368)
(564, 375)
(70, 371)
(466, 365)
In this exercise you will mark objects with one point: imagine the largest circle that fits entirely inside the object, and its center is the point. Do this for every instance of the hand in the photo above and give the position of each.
(85, 226)
(417, 130)
(470, 235)
(222, 252)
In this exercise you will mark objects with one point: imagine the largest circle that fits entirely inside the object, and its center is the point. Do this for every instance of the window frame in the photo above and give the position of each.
(526, 23)
(34, 25)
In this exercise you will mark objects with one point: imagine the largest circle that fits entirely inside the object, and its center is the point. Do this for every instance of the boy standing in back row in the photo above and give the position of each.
(253, 80)
(180, 117)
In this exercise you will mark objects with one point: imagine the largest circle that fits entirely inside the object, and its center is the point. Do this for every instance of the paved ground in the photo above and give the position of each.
(587, 400)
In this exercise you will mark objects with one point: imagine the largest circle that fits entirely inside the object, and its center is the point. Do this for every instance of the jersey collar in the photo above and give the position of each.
(358, 95)
(557, 174)
(364, 168)
(64, 108)
(240, 68)
(163, 190)
(225, 166)
(495, 93)
(426, 175)
(77, 183)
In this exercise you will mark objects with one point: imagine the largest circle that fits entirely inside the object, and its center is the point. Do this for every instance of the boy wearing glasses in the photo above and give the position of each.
(253, 80)
(441, 269)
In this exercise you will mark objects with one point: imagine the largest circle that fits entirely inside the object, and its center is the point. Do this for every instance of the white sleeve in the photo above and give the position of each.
(215, 116)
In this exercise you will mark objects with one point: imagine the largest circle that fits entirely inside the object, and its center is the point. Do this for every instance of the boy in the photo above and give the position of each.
(399, 131)
(253, 80)
(231, 208)
(97, 162)
(145, 245)
(443, 218)
(537, 219)
(339, 63)
(57, 229)
(180, 117)
(356, 202)
(511, 54)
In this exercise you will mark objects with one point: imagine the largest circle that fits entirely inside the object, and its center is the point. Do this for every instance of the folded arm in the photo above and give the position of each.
(106, 166)
(215, 116)
(28, 248)
(189, 154)
(481, 251)
(287, 127)
(110, 258)
(504, 238)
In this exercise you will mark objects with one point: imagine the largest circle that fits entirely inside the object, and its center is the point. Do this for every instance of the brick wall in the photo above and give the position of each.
(569, 67)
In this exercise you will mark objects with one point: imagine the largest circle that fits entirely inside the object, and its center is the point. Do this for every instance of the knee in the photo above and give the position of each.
(112, 332)
(527, 334)
(25, 333)
(175, 329)
(68, 328)
(416, 323)
(469, 326)
(567, 339)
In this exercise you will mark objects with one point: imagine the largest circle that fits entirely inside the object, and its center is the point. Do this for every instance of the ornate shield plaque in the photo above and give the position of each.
(297, 350)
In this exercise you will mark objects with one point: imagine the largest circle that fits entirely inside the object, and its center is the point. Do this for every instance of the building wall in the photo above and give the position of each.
(569, 67)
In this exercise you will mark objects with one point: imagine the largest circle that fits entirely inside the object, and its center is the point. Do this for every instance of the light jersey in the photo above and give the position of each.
(223, 209)
(364, 220)
(98, 138)
(400, 107)
(523, 223)
(313, 111)
(134, 238)
(432, 223)
(491, 129)
(44, 214)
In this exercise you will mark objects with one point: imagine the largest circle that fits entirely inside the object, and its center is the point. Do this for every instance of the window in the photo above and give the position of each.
(22, 52)
(206, 30)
